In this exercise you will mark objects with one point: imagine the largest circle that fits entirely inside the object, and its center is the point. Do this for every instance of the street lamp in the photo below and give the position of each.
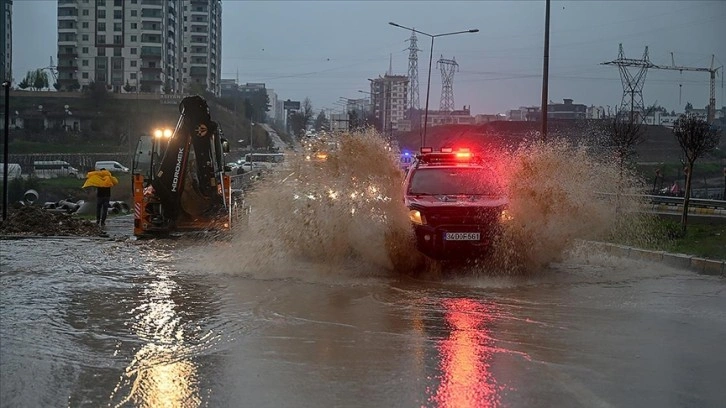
(431, 56)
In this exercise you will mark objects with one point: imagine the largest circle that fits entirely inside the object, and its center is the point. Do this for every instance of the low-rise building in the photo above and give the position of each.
(486, 118)
(566, 110)
(455, 117)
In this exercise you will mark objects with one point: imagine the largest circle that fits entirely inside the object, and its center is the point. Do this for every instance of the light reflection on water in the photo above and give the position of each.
(466, 378)
(161, 373)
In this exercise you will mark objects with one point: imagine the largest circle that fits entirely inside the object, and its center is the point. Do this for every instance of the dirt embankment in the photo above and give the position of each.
(32, 220)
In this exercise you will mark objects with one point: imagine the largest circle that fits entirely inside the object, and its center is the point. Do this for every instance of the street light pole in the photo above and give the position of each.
(545, 70)
(431, 56)
(428, 90)
(6, 85)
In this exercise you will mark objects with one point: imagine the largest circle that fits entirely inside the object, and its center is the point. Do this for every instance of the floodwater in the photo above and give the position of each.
(94, 323)
(310, 304)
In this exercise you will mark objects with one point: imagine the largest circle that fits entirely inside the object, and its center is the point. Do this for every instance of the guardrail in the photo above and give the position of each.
(696, 202)
(696, 206)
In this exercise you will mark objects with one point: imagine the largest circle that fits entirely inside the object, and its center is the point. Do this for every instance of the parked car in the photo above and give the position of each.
(112, 166)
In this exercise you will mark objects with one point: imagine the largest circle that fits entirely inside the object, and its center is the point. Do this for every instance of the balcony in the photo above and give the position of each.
(151, 52)
(68, 54)
(67, 68)
(151, 81)
(150, 69)
(198, 71)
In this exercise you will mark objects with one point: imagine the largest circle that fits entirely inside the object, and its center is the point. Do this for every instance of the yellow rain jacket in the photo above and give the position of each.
(100, 178)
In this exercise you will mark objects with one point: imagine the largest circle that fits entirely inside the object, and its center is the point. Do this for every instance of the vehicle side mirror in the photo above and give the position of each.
(225, 145)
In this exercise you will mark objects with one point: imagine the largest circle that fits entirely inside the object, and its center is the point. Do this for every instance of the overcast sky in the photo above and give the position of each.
(328, 49)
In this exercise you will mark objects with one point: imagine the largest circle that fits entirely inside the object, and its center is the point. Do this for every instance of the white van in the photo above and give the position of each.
(112, 166)
(54, 168)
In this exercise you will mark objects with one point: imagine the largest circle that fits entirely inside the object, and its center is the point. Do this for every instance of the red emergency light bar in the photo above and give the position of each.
(446, 155)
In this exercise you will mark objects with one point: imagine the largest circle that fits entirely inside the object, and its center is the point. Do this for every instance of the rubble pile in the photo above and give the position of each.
(32, 220)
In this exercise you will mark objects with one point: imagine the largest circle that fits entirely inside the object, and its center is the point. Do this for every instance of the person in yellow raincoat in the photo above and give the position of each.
(103, 180)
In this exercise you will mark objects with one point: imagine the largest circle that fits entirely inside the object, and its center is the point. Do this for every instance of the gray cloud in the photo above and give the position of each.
(327, 49)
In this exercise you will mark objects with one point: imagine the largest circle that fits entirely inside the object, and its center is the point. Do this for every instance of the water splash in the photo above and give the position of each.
(559, 193)
(348, 210)
(342, 210)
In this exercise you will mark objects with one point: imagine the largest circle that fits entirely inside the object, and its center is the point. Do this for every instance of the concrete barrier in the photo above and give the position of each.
(702, 266)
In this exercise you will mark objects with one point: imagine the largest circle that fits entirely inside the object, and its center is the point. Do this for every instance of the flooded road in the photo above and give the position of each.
(131, 323)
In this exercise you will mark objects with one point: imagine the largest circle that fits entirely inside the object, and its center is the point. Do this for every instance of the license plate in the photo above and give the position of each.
(461, 236)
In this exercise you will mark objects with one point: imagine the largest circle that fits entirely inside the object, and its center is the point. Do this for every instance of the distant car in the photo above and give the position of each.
(456, 205)
(112, 166)
(54, 168)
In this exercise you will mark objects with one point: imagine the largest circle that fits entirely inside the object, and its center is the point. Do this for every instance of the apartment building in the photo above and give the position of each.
(138, 45)
(202, 44)
(388, 100)
(6, 40)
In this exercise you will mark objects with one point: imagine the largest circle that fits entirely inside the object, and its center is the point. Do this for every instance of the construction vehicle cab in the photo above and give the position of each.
(180, 180)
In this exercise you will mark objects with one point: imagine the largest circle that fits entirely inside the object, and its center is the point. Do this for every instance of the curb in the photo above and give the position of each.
(702, 266)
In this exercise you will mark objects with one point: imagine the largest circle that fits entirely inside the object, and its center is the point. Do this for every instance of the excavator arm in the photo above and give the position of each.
(190, 185)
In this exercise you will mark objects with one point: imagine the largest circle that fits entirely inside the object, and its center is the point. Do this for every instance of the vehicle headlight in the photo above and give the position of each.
(416, 217)
(505, 216)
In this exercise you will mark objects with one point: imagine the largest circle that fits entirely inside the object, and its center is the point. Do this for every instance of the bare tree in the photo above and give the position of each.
(696, 138)
(623, 135)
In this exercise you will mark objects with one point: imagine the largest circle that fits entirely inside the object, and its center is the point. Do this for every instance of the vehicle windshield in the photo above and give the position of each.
(454, 181)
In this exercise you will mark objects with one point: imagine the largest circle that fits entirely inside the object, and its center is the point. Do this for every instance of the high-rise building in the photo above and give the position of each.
(202, 44)
(388, 100)
(137, 45)
(6, 33)
(272, 113)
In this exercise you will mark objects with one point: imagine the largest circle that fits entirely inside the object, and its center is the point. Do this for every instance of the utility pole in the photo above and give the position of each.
(413, 50)
(545, 70)
(6, 85)
(632, 99)
(448, 68)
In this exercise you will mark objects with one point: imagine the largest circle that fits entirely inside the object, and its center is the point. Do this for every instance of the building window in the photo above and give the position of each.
(84, 50)
(85, 12)
(133, 51)
(101, 14)
(85, 24)
(133, 38)
(133, 26)
(118, 14)
(133, 63)
(100, 26)
(84, 75)
(117, 3)
(84, 63)
(117, 27)
(85, 37)
(101, 52)
(101, 39)
(117, 52)
(133, 13)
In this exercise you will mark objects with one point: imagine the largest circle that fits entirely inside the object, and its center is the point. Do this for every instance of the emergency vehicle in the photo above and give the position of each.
(456, 203)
